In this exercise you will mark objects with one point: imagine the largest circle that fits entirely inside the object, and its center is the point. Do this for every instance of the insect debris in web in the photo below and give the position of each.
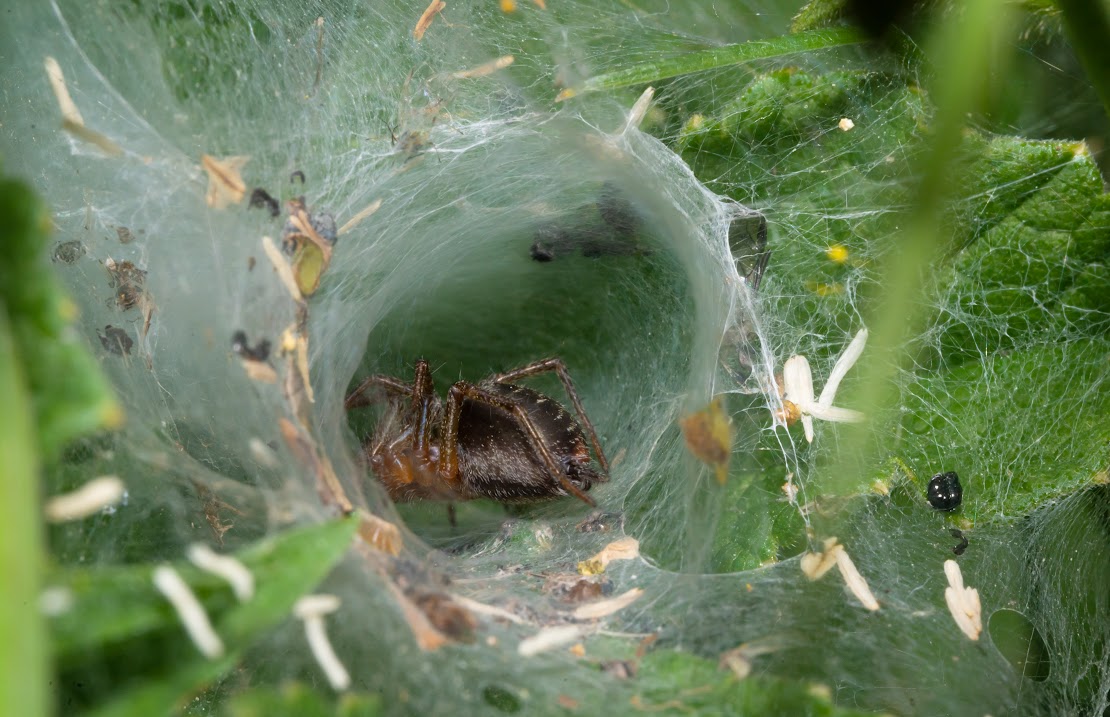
(261, 199)
(945, 492)
(961, 546)
(69, 251)
(115, 340)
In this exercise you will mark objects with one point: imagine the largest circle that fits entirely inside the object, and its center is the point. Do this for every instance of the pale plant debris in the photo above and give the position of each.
(225, 180)
(487, 68)
(61, 92)
(363, 213)
(380, 533)
(230, 569)
(574, 588)
(263, 453)
(739, 660)
(962, 602)
(493, 611)
(855, 581)
(189, 610)
(815, 565)
(91, 498)
(624, 549)
(639, 109)
(429, 14)
(55, 601)
(304, 450)
(797, 389)
(72, 121)
(604, 608)
(445, 614)
(708, 436)
(311, 609)
(428, 638)
(548, 639)
(845, 124)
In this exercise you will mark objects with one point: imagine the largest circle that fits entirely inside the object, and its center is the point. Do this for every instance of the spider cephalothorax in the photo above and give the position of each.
(492, 439)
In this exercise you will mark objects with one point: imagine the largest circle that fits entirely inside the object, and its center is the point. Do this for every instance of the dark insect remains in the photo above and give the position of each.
(491, 439)
(961, 546)
(260, 199)
(944, 491)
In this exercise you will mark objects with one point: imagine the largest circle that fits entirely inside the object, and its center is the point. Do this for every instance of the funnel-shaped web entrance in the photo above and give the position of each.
(481, 226)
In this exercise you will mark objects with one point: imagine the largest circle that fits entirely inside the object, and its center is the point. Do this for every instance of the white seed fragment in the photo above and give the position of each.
(548, 639)
(602, 608)
(189, 609)
(224, 566)
(962, 602)
(311, 609)
(91, 498)
(845, 124)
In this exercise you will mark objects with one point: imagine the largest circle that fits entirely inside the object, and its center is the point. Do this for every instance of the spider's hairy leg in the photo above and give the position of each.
(362, 396)
(449, 435)
(560, 368)
(424, 402)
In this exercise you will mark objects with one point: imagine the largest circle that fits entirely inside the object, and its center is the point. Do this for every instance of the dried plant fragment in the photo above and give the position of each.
(189, 610)
(72, 122)
(365, 212)
(446, 615)
(963, 603)
(311, 609)
(623, 549)
(574, 588)
(639, 109)
(708, 435)
(225, 182)
(549, 638)
(427, 637)
(603, 608)
(426, 18)
(484, 69)
(489, 610)
(89, 499)
(327, 483)
(283, 269)
(212, 505)
(234, 572)
(125, 235)
(815, 565)
(310, 239)
(380, 533)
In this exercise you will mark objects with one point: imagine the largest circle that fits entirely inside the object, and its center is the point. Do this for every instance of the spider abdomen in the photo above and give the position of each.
(495, 456)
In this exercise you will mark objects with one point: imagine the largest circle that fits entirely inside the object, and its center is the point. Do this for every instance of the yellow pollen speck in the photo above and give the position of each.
(508, 6)
(837, 253)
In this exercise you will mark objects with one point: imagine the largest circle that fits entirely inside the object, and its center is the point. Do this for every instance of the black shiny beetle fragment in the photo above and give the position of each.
(944, 492)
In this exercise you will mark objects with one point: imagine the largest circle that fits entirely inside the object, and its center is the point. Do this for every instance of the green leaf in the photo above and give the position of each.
(674, 682)
(1021, 429)
(116, 606)
(299, 700)
(719, 57)
(69, 395)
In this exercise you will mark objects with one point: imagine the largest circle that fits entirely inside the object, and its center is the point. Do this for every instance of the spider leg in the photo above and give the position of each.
(424, 406)
(360, 396)
(449, 436)
(560, 368)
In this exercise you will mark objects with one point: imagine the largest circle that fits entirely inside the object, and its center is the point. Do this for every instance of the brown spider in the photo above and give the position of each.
(494, 440)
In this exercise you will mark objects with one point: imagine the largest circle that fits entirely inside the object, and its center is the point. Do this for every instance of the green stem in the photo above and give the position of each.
(23, 654)
(1089, 28)
(721, 57)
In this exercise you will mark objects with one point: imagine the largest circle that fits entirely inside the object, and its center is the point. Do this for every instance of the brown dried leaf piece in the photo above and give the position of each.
(708, 435)
(225, 182)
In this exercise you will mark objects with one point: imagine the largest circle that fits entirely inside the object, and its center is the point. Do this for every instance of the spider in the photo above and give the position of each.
(492, 439)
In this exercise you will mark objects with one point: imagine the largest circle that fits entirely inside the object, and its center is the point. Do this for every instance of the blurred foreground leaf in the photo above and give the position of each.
(114, 607)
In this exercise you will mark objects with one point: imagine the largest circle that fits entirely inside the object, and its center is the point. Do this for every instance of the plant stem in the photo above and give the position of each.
(23, 654)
